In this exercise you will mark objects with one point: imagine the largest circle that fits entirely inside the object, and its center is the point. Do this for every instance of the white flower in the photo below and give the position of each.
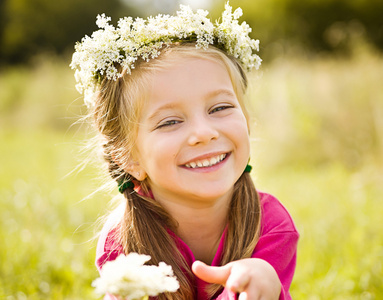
(237, 13)
(128, 277)
(96, 57)
(102, 21)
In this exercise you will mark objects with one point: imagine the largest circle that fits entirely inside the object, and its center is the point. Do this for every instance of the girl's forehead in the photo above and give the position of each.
(189, 75)
(189, 68)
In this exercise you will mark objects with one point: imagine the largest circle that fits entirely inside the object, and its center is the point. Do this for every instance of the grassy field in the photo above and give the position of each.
(318, 146)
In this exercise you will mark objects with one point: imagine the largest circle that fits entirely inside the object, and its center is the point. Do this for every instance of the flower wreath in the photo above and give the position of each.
(96, 57)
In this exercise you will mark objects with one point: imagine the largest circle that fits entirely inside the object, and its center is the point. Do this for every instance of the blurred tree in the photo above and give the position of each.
(2, 21)
(31, 26)
(317, 25)
(315, 20)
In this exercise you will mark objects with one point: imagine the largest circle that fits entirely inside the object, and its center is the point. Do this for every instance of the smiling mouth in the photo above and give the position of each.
(206, 162)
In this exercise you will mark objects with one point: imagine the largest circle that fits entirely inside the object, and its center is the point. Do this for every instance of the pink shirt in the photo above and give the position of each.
(277, 245)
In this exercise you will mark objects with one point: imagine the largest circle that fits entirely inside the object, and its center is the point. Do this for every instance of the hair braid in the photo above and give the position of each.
(146, 220)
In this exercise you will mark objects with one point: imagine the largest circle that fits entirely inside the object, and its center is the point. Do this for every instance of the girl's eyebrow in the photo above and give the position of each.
(226, 92)
(161, 108)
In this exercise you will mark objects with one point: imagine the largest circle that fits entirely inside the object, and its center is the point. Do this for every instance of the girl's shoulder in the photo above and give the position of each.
(275, 216)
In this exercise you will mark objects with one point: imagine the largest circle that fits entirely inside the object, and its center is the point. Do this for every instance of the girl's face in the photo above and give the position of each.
(193, 141)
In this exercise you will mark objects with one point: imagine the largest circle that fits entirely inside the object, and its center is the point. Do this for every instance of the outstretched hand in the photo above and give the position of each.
(252, 278)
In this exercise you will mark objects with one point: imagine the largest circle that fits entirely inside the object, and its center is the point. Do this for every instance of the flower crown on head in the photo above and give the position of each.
(96, 57)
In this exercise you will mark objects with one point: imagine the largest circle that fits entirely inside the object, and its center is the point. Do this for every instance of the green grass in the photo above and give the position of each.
(45, 229)
(318, 147)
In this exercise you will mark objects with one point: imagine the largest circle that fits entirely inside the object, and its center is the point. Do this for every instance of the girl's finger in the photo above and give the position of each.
(211, 274)
(238, 280)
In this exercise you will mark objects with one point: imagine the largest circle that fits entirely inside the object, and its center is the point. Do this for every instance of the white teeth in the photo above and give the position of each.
(206, 162)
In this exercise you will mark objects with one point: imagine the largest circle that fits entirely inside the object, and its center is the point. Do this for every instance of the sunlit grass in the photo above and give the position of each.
(318, 148)
(46, 251)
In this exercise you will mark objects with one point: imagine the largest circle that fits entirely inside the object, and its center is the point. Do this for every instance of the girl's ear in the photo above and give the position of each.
(136, 170)
(133, 168)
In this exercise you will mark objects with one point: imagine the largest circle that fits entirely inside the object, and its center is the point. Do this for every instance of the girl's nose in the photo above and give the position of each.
(202, 131)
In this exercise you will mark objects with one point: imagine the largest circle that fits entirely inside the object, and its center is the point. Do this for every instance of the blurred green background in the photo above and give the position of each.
(317, 104)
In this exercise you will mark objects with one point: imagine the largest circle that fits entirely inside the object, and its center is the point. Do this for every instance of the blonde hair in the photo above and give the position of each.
(144, 228)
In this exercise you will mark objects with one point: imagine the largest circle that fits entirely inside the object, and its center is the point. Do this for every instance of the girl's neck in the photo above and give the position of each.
(200, 227)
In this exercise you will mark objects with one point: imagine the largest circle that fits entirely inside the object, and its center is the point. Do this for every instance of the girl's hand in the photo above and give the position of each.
(252, 278)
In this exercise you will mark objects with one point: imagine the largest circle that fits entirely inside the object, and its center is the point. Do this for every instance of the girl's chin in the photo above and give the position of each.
(212, 194)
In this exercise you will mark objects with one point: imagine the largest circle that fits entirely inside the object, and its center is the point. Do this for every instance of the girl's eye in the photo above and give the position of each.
(167, 123)
(220, 108)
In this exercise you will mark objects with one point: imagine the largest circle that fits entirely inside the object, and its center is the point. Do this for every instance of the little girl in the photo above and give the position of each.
(166, 96)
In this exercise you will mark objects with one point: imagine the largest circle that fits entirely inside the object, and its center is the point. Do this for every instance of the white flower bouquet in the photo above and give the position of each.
(128, 278)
